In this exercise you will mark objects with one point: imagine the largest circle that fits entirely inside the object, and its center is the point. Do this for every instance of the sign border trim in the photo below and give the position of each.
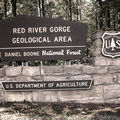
(48, 89)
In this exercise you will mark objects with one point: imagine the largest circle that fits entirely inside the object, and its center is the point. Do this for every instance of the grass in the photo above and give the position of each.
(58, 111)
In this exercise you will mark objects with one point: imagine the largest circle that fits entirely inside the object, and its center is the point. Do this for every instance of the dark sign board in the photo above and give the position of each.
(47, 85)
(36, 38)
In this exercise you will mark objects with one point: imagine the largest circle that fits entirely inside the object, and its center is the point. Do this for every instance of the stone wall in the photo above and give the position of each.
(104, 71)
(98, 58)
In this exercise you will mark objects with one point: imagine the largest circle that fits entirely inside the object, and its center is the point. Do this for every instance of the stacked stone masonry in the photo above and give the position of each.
(105, 88)
(98, 58)
(104, 71)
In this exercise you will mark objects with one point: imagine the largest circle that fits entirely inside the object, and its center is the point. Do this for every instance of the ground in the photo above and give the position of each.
(58, 111)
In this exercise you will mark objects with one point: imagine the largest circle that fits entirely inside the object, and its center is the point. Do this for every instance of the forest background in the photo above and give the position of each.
(99, 15)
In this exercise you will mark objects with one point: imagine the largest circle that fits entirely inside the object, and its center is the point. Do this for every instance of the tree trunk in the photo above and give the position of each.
(39, 8)
(108, 18)
(114, 21)
(43, 8)
(101, 20)
(13, 2)
(100, 2)
(70, 10)
(96, 21)
(118, 19)
(100, 17)
(5, 8)
(80, 10)
(77, 6)
(67, 12)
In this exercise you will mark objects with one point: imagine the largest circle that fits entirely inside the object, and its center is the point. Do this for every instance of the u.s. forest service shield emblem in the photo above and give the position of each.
(111, 44)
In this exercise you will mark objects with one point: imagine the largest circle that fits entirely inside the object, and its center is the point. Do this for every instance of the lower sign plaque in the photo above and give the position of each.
(47, 85)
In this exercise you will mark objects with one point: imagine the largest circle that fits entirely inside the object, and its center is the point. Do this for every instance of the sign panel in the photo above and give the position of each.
(47, 85)
(111, 44)
(35, 38)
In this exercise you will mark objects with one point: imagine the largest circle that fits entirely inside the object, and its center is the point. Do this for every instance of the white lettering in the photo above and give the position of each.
(31, 85)
(69, 52)
(63, 39)
(49, 53)
(60, 29)
(31, 40)
(31, 53)
(118, 43)
(50, 85)
(18, 30)
(12, 54)
(37, 29)
(71, 84)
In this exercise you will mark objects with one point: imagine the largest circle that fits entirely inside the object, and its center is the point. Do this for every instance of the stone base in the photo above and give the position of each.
(105, 87)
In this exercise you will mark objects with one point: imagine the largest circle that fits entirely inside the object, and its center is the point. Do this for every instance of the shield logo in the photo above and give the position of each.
(111, 44)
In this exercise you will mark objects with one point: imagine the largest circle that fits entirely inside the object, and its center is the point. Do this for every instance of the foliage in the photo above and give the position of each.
(1, 10)
(28, 7)
(98, 14)
(107, 14)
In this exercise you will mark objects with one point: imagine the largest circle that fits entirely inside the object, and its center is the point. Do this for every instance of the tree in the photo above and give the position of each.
(39, 8)
(70, 10)
(5, 8)
(13, 2)
(2, 12)
(106, 14)
(43, 8)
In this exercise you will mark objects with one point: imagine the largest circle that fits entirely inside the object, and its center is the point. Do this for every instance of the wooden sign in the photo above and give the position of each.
(25, 38)
(47, 85)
